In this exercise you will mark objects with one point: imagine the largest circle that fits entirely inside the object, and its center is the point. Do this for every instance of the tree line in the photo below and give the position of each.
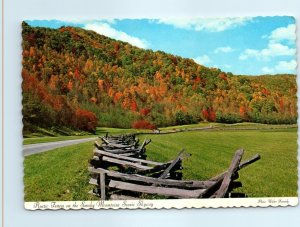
(79, 79)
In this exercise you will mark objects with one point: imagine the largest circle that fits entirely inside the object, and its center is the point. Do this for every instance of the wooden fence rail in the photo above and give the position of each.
(119, 170)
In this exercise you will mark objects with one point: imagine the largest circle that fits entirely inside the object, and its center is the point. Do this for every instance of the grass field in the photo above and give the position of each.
(274, 175)
(58, 175)
(61, 174)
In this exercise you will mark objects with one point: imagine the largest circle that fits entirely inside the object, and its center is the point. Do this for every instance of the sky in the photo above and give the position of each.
(241, 45)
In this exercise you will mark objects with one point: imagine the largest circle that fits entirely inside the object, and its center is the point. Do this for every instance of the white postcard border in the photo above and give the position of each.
(164, 204)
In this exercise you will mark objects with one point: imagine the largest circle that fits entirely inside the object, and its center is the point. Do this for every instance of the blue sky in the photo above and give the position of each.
(252, 46)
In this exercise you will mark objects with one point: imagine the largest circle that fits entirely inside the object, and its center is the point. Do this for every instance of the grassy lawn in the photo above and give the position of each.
(58, 175)
(199, 125)
(274, 175)
(62, 174)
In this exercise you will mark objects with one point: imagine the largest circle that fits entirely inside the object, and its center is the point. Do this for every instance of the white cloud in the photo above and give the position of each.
(282, 67)
(225, 49)
(207, 24)
(273, 49)
(283, 33)
(107, 30)
(249, 53)
(286, 65)
(110, 20)
(267, 70)
(202, 60)
(84, 20)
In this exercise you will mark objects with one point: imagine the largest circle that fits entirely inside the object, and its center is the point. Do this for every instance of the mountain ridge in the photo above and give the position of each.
(82, 79)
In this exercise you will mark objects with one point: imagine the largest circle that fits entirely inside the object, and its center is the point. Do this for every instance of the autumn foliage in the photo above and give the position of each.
(85, 120)
(209, 115)
(145, 111)
(77, 78)
(44, 109)
(143, 124)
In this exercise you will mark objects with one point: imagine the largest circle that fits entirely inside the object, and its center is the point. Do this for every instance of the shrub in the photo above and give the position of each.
(86, 120)
(143, 124)
(184, 118)
(228, 118)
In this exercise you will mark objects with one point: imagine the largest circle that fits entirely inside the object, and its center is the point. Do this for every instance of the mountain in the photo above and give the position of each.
(79, 79)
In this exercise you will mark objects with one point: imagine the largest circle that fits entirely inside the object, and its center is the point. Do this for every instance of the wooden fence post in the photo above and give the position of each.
(232, 169)
(167, 170)
(102, 185)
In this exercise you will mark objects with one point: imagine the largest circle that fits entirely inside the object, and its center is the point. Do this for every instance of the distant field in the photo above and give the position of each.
(104, 130)
(249, 125)
(61, 174)
(246, 125)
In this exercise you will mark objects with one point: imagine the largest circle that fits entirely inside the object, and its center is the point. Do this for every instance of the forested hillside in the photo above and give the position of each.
(80, 79)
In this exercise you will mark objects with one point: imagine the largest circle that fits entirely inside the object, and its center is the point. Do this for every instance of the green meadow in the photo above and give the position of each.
(62, 175)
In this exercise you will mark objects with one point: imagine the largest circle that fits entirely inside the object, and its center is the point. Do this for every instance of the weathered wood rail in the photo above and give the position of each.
(119, 170)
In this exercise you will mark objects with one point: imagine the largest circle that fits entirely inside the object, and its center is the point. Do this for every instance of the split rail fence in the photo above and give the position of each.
(119, 170)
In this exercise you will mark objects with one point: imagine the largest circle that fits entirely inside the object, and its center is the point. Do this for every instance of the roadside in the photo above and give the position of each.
(48, 139)
(41, 147)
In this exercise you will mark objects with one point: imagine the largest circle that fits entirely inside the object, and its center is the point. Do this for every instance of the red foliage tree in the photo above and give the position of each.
(242, 111)
(145, 111)
(205, 114)
(143, 124)
(281, 103)
(212, 116)
(265, 91)
(197, 80)
(209, 114)
(86, 120)
(134, 106)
